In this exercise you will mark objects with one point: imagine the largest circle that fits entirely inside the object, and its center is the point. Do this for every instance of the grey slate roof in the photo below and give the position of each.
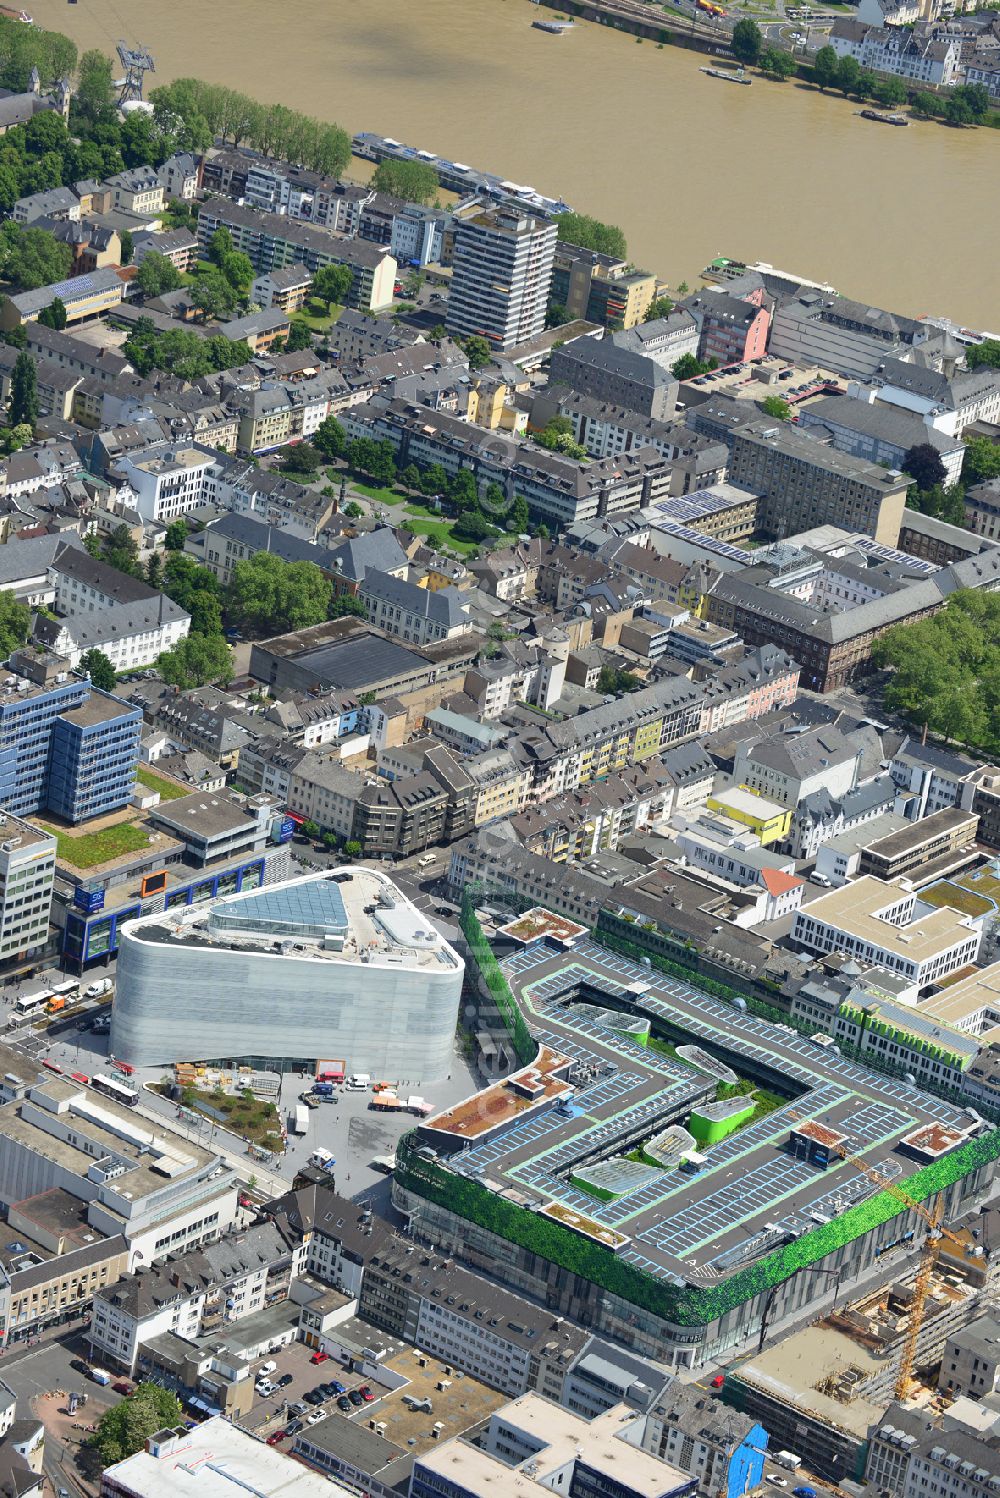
(446, 607)
(377, 550)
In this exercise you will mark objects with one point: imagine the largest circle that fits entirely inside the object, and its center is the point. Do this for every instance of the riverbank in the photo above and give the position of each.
(634, 135)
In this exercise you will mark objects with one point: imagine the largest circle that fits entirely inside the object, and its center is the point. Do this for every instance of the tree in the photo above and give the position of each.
(660, 306)
(35, 259)
(95, 97)
(353, 510)
(946, 670)
(413, 181)
(890, 92)
(556, 315)
(177, 534)
(95, 664)
(591, 234)
(463, 490)
(154, 571)
(613, 682)
(303, 460)
(865, 84)
(748, 41)
(925, 103)
(212, 294)
(975, 97)
(688, 367)
(352, 848)
(472, 526)
(197, 660)
(332, 284)
(923, 463)
(848, 72)
(238, 271)
(330, 438)
(941, 503)
(157, 275)
(981, 461)
(16, 437)
(773, 405)
(987, 353)
(433, 480)
(23, 391)
(410, 477)
(778, 63)
(299, 337)
(825, 67)
(268, 595)
(478, 351)
(519, 519)
(128, 246)
(121, 551)
(15, 622)
(54, 315)
(346, 604)
(220, 247)
(125, 1428)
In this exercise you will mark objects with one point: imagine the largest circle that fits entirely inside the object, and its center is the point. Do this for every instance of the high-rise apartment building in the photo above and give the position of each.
(501, 277)
(27, 868)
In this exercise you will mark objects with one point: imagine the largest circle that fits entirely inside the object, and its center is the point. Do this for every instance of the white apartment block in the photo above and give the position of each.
(27, 869)
(887, 925)
(168, 482)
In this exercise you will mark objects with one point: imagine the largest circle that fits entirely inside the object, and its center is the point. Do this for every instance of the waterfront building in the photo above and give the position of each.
(502, 269)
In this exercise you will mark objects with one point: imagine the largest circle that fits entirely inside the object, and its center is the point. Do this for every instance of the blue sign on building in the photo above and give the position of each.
(88, 899)
(285, 829)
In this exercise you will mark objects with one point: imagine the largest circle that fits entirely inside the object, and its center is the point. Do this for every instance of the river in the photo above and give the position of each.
(689, 167)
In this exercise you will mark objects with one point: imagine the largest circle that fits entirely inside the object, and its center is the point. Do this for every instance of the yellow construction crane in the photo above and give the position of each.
(921, 1284)
(922, 1281)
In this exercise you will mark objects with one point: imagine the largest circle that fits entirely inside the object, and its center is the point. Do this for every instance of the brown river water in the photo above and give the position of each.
(688, 166)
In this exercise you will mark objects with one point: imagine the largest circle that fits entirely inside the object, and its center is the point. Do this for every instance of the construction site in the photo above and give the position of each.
(820, 1390)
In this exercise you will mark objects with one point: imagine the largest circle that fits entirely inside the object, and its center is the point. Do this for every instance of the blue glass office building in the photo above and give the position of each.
(67, 749)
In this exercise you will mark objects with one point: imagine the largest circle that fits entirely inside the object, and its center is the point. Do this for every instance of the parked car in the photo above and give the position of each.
(355, 1398)
(318, 1357)
(316, 1416)
(779, 1482)
(276, 1436)
(285, 1380)
(338, 1388)
(368, 1396)
(298, 1408)
(79, 1365)
(293, 1427)
(343, 1403)
(246, 1201)
(315, 1396)
(718, 1381)
(267, 1368)
(265, 1390)
(332, 1389)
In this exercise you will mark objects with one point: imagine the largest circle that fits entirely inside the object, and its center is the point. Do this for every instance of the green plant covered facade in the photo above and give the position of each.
(524, 1045)
(679, 1305)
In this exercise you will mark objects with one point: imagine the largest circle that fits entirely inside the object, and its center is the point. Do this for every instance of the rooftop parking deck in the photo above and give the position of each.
(751, 1193)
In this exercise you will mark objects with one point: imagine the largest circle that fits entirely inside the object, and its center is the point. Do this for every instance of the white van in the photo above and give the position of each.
(98, 989)
(426, 861)
(360, 1081)
(265, 1369)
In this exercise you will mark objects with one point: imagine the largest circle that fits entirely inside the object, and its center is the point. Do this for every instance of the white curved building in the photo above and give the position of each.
(337, 965)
